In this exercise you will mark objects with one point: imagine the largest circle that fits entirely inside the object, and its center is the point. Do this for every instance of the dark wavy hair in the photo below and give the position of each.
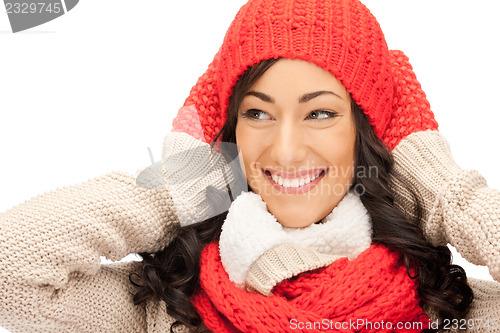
(172, 274)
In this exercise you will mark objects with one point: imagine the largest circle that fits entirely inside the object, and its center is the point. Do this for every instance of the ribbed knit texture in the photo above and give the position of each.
(374, 287)
(341, 36)
(485, 307)
(283, 262)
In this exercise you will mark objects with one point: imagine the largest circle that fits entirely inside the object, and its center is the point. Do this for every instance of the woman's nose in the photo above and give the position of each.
(288, 146)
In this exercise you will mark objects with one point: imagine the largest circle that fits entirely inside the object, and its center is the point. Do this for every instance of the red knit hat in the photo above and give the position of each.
(341, 36)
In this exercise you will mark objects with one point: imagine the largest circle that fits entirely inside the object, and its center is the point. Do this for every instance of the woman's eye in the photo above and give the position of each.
(321, 114)
(255, 114)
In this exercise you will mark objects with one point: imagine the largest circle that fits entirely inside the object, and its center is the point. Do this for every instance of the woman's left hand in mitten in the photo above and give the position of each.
(458, 206)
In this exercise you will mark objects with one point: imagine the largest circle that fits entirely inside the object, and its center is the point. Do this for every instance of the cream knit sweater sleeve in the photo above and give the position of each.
(51, 278)
(50, 246)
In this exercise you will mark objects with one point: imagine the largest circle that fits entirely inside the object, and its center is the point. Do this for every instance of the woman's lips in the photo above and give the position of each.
(295, 190)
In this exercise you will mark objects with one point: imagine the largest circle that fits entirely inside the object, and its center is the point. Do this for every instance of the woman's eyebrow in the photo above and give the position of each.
(262, 96)
(307, 97)
(303, 99)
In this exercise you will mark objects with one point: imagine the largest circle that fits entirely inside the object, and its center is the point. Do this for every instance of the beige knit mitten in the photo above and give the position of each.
(188, 168)
(459, 208)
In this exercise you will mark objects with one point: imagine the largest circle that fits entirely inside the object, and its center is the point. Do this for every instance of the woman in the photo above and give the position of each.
(52, 279)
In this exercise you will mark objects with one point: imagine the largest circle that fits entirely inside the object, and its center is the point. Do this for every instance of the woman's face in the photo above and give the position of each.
(297, 138)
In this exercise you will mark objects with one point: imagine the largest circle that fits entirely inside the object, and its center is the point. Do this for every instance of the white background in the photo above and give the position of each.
(89, 92)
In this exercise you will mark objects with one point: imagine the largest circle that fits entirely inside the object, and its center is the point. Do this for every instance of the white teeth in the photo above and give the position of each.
(275, 178)
(296, 182)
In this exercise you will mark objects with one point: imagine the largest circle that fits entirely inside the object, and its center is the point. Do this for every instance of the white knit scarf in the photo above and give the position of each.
(250, 230)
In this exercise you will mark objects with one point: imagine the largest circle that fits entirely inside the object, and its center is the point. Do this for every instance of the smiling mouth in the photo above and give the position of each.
(296, 185)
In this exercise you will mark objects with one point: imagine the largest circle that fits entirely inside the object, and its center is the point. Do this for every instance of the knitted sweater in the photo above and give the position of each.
(50, 246)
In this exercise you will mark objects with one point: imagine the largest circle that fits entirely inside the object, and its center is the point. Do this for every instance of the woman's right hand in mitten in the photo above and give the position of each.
(200, 178)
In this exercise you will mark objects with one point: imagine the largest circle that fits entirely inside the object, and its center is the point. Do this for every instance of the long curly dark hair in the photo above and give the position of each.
(172, 275)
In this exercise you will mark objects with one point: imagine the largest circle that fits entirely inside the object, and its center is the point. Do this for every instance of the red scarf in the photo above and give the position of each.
(372, 293)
